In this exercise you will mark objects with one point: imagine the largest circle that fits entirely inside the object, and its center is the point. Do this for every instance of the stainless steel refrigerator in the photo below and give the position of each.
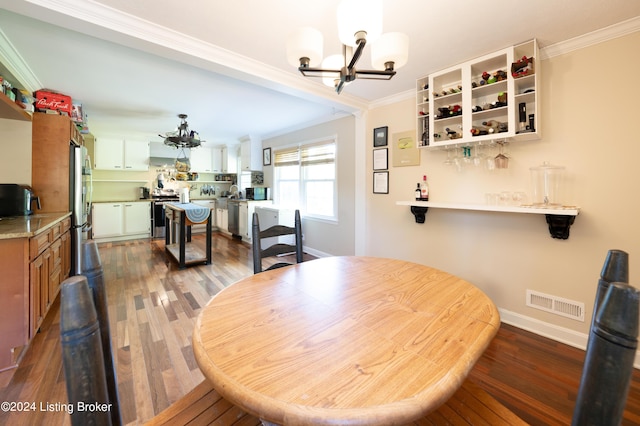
(79, 202)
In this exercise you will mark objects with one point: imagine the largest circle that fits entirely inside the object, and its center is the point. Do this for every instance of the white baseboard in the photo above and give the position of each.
(551, 331)
(314, 252)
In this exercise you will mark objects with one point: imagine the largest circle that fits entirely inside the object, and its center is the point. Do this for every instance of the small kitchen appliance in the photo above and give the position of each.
(16, 200)
(258, 193)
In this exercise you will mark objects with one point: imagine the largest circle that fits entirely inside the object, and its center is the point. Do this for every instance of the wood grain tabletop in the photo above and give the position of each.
(343, 341)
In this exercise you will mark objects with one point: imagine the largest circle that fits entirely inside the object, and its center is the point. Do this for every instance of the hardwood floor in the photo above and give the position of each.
(152, 309)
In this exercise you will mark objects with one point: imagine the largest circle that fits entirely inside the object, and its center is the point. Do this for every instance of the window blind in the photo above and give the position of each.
(306, 155)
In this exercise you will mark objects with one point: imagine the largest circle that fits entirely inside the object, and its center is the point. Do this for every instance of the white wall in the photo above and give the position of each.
(15, 143)
(323, 237)
(589, 112)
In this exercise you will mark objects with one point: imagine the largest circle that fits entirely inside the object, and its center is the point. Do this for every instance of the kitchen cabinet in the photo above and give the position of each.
(251, 154)
(466, 104)
(246, 218)
(206, 160)
(48, 267)
(222, 219)
(120, 221)
(229, 159)
(50, 160)
(121, 154)
(34, 259)
(136, 218)
(243, 223)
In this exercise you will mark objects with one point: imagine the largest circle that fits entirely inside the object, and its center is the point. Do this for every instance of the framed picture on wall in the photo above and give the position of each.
(380, 182)
(381, 159)
(266, 157)
(380, 136)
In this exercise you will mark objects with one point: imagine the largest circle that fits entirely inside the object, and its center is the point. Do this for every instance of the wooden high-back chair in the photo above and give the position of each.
(278, 248)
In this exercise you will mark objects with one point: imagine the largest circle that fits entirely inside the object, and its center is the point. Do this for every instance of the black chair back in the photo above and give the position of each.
(276, 249)
(613, 340)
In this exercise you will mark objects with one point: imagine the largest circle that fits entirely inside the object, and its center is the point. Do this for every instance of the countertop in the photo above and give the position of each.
(29, 226)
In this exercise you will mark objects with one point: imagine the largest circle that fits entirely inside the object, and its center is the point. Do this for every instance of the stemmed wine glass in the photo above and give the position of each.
(448, 161)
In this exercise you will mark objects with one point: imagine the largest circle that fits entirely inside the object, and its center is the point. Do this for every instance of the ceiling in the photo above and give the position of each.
(135, 65)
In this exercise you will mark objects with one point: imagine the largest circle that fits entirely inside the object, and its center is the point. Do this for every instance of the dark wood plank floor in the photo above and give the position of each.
(152, 309)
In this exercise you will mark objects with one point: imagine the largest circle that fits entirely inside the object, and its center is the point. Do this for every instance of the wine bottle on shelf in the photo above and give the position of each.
(424, 189)
(418, 192)
(425, 131)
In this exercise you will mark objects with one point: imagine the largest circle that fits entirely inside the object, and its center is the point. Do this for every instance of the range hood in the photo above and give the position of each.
(162, 161)
(163, 155)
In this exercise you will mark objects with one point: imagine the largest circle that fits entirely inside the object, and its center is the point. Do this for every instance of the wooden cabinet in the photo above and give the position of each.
(121, 154)
(481, 100)
(50, 160)
(121, 220)
(50, 260)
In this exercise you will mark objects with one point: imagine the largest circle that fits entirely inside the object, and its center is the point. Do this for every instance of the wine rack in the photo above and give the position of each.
(481, 100)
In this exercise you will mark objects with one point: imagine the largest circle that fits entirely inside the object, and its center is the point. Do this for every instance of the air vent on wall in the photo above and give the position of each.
(556, 305)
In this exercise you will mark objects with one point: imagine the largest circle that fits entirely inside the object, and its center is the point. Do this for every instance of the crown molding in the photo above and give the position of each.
(209, 56)
(604, 34)
(17, 66)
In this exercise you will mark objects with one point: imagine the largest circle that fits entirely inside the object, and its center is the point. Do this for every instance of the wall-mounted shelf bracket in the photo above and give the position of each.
(419, 213)
(559, 219)
(559, 225)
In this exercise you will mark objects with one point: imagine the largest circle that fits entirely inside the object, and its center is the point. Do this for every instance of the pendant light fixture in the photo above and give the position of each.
(359, 23)
(182, 137)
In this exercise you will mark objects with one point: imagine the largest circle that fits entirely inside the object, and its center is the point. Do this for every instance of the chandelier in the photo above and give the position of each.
(359, 22)
(182, 137)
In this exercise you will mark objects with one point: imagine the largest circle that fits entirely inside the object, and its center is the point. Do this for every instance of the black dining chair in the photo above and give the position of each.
(278, 248)
(611, 349)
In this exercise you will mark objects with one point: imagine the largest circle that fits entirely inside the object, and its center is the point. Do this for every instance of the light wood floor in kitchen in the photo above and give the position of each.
(152, 309)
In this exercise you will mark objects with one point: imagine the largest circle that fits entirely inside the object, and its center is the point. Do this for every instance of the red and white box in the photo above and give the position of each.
(53, 101)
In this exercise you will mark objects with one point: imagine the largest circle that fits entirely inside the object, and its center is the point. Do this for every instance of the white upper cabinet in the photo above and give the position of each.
(206, 160)
(251, 154)
(121, 154)
(496, 96)
(201, 160)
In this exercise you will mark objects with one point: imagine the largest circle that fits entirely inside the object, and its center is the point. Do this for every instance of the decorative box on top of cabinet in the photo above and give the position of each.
(452, 102)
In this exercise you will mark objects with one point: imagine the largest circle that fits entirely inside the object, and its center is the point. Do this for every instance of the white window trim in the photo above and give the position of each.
(299, 145)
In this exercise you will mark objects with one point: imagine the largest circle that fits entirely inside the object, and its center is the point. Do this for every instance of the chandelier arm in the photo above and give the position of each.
(317, 72)
(375, 74)
(356, 55)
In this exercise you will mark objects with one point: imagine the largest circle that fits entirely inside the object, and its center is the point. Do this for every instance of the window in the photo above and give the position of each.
(305, 178)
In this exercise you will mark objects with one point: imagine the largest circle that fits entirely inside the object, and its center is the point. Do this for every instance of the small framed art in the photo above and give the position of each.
(266, 157)
(380, 136)
(381, 159)
(380, 182)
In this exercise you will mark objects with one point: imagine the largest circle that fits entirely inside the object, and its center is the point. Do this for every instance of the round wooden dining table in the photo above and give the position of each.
(343, 341)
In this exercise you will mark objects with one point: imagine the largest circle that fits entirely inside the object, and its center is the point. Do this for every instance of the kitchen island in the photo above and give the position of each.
(180, 217)
(35, 257)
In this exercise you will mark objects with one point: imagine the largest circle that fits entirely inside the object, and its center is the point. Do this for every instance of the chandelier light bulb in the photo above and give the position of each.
(333, 62)
(305, 42)
(390, 48)
(355, 16)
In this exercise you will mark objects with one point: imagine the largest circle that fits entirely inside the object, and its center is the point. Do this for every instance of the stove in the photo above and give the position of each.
(157, 213)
